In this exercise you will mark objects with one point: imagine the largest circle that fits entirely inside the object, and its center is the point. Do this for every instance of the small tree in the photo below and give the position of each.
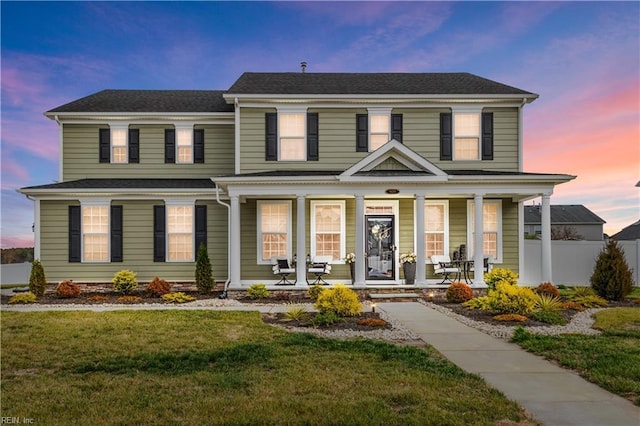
(612, 278)
(204, 275)
(37, 280)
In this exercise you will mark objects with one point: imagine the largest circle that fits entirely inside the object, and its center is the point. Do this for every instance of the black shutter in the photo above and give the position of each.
(75, 234)
(487, 136)
(159, 237)
(312, 137)
(134, 145)
(201, 226)
(105, 146)
(362, 133)
(169, 145)
(396, 127)
(446, 137)
(198, 145)
(116, 233)
(271, 136)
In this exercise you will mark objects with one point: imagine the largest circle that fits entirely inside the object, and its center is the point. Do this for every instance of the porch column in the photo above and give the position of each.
(301, 266)
(359, 235)
(545, 221)
(478, 241)
(234, 242)
(421, 255)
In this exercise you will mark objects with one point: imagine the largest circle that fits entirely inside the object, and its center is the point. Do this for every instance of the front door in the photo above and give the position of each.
(380, 248)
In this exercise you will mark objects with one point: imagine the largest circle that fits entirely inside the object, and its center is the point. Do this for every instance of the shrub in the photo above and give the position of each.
(315, 290)
(459, 292)
(37, 280)
(129, 299)
(340, 300)
(97, 298)
(573, 306)
(548, 303)
(547, 288)
(581, 292)
(204, 275)
(178, 297)
(325, 318)
(125, 282)
(590, 301)
(68, 289)
(372, 322)
(258, 291)
(500, 274)
(510, 317)
(612, 278)
(296, 313)
(158, 287)
(549, 317)
(22, 298)
(505, 299)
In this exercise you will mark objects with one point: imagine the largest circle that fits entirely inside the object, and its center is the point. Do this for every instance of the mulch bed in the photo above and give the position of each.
(350, 323)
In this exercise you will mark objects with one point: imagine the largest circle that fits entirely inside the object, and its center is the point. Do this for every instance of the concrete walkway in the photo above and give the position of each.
(553, 395)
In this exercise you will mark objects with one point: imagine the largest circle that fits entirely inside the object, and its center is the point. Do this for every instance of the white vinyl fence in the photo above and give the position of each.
(572, 261)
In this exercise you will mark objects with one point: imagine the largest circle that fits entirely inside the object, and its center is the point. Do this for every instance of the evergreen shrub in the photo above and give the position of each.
(612, 278)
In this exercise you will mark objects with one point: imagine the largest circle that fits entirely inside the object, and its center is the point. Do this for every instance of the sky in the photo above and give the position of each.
(582, 58)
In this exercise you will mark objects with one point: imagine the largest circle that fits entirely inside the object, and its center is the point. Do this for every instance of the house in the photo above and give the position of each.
(568, 221)
(628, 233)
(295, 165)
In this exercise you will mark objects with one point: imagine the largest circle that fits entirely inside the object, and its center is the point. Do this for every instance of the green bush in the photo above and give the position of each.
(295, 313)
(500, 274)
(578, 292)
(258, 291)
(125, 282)
(22, 298)
(592, 301)
(612, 278)
(325, 318)
(340, 300)
(505, 299)
(37, 280)
(548, 317)
(548, 303)
(178, 297)
(68, 290)
(315, 290)
(204, 275)
(459, 292)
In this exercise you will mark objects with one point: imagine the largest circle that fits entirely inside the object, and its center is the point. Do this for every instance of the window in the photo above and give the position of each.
(436, 228)
(292, 137)
(466, 141)
(379, 130)
(119, 146)
(95, 233)
(184, 145)
(180, 233)
(491, 226)
(274, 230)
(328, 229)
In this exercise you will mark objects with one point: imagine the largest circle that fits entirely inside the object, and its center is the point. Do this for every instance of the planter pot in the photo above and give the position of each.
(409, 272)
(352, 270)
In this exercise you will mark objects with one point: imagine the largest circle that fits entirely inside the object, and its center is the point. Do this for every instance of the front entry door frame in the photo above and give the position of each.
(389, 208)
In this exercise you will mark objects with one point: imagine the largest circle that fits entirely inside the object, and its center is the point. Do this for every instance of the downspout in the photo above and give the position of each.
(61, 153)
(36, 226)
(226, 283)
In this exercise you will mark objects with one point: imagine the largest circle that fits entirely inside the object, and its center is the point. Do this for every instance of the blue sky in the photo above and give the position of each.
(583, 58)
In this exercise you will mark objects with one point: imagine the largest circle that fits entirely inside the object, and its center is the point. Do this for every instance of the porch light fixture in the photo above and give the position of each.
(373, 307)
(431, 296)
(392, 191)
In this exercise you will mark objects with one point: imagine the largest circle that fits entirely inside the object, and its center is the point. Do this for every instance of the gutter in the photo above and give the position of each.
(228, 206)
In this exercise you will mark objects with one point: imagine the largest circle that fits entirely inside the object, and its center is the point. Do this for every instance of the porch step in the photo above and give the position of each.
(394, 296)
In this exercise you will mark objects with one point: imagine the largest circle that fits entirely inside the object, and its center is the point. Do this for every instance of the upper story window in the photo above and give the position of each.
(466, 135)
(291, 135)
(184, 144)
(377, 128)
(466, 138)
(119, 144)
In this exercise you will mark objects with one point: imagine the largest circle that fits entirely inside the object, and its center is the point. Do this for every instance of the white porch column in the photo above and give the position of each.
(234, 243)
(545, 219)
(359, 235)
(478, 241)
(421, 256)
(301, 266)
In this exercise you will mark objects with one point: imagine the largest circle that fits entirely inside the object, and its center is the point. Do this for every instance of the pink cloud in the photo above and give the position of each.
(17, 241)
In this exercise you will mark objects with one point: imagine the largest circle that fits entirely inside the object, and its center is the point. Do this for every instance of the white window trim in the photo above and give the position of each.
(184, 126)
(470, 231)
(445, 203)
(259, 203)
(180, 203)
(378, 111)
(119, 126)
(292, 110)
(342, 205)
(467, 110)
(98, 202)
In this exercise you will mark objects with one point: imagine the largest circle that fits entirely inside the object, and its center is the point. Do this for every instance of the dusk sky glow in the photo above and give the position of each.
(582, 58)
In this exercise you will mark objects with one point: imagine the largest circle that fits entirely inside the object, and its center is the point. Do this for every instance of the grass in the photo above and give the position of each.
(610, 360)
(203, 367)
(568, 292)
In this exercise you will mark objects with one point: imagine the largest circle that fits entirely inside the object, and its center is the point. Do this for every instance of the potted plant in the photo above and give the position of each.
(350, 260)
(408, 262)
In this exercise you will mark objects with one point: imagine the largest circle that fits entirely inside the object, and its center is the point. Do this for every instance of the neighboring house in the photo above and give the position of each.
(629, 233)
(290, 164)
(572, 221)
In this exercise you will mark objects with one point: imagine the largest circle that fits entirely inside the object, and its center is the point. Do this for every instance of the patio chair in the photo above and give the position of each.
(442, 265)
(320, 266)
(487, 264)
(282, 267)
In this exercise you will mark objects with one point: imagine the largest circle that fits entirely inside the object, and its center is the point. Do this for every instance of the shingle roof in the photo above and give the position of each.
(303, 173)
(149, 101)
(370, 84)
(128, 184)
(631, 232)
(569, 214)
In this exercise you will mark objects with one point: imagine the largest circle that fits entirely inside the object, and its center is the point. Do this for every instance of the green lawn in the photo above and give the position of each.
(203, 367)
(610, 360)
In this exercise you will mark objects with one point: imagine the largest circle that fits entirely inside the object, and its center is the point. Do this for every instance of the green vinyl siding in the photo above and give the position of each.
(137, 245)
(80, 154)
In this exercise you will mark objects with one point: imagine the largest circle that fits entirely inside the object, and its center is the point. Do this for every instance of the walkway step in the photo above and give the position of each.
(396, 297)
